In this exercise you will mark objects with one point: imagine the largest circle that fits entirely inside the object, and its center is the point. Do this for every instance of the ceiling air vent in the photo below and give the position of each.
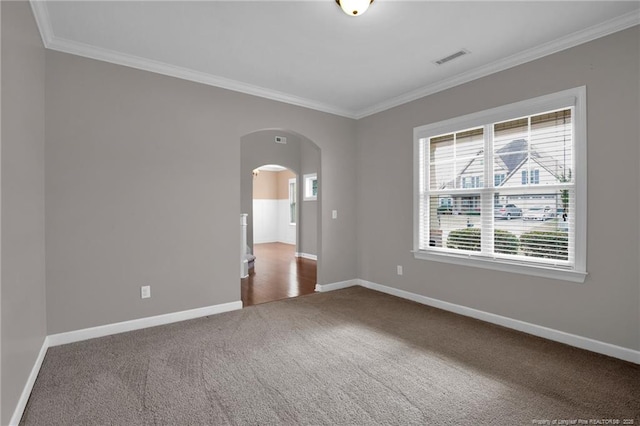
(451, 57)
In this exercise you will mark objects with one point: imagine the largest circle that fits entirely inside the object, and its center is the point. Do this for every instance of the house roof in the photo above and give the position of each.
(512, 157)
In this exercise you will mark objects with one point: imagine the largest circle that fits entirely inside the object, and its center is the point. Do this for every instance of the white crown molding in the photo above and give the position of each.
(67, 46)
(43, 20)
(579, 37)
(132, 61)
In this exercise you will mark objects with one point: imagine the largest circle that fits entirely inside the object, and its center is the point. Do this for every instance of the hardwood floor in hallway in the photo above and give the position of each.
(277, 274)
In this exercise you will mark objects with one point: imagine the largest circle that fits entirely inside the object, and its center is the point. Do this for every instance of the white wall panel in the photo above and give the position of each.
(265, 221)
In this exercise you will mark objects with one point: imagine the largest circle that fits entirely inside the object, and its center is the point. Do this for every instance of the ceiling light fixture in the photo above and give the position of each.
(354, 7)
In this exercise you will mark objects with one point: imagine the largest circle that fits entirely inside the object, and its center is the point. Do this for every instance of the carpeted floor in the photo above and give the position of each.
(347, 357)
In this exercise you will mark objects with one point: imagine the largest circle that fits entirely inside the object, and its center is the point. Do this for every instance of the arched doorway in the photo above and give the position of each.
(286, 253)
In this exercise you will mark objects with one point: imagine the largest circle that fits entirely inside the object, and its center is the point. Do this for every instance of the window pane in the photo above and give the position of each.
(470, 144)
(510, 135)
(457, 160)
(441, 157)
(533, 225)
(450, 217)
(551, 147)
(441, 148)
(546, 160)
(510, 151)
(469, 151)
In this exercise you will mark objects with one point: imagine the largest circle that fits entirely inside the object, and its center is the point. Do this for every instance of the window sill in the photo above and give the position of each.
(503, 265)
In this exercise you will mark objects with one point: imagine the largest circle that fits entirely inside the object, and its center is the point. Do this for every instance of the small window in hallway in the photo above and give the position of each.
(310, 187)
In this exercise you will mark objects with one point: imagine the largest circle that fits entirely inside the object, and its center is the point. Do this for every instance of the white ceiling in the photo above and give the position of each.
(310, 53)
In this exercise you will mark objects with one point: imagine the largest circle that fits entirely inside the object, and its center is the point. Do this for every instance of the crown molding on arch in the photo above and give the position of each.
(52, 42)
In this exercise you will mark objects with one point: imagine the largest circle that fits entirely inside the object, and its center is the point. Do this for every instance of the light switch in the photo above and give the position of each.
(334, 214)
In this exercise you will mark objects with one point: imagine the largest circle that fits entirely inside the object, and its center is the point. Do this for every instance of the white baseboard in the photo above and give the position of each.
(581, 342)
(336, 286)
(31, 380)
(307, 256)
(121, 327)
(619, 352)
(106, 330)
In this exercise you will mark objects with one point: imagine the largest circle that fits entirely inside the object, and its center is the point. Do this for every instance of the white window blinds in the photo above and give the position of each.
(503, 190)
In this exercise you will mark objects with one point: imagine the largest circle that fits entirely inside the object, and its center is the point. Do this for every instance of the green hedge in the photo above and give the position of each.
(469, 239)
(545, 244)
(505, 242)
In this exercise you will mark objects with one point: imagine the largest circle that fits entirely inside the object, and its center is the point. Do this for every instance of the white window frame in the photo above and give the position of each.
(576, 98)
(308, 186)
(293, 196)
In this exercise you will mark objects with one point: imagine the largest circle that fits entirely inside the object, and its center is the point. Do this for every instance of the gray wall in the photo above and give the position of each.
(140, 190)
(606, 306)
(23, 254)
(309, 163)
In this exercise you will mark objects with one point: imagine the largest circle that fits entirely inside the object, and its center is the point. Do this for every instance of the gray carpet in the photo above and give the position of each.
(349, 357)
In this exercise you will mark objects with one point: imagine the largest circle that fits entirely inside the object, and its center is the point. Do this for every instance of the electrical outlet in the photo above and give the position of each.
(145, 291)
(399, 269)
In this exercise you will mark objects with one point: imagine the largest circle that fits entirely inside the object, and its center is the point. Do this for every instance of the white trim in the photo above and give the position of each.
(132, 61)
(579, 37)
(28, 387)
(137, 324)
(615, 351)
(581, 342)
(504, 265)
(321, 288)
(307, 186)
(549, 102)
(107, 330)
(43, 20)
(307, 256)
(52, 42)
(576, 98)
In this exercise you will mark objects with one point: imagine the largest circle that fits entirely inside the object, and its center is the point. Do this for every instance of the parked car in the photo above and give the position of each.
(539, 213)
(506, 211)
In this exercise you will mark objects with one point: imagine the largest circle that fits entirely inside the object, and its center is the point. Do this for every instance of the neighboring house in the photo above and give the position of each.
(514, 165)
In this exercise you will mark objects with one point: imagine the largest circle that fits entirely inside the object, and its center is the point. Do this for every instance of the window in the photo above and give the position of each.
(292, 201)
(471, 182)
(535, 176)
(310, 187)
(505, 188)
